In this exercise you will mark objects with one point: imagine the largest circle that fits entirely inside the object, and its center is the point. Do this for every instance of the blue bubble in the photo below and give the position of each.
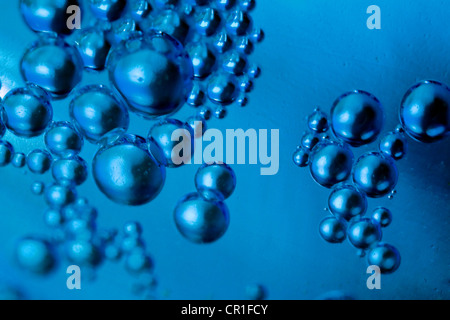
(222, 42)
(310, 140)
(255, 292)
(318, 121)
(225, 4)
(126, 173)
(382, 216)
(257, 35)
(207, 21)
(63, 140)
(35, 255)
(53, 218)
(375, 174)
(98, 114)
(82, 252)
(153, 74)
(137, 261)
(364, 233)
(215, 181)
(357, 118)
(223, 88)
(2, 127)
(140, 9)
(333, 230)
(73, 170)
(107, 9)
(39, 161)
(238, 23)
(27, 111)
(197, 96)
(162, 147)
(93, 48)
(172, 24)
(394, 145)
(205, 113)
(254, 71)
(220, 112)
(330, 163)
(346, 202)
(6, 153)
(386, 257)
(301, 157)
(166, 4)
(18, 160)
(52, 65)
(37, 188)
(202, 58)
(200, 220)
(425, 111)
(244, 45)
(247, 5)
(58, 195)
(132, 229)
(245, 84)
(47, 16)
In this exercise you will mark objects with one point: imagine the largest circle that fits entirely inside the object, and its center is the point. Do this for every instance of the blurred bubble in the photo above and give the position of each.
(364, 233)
(83, 252)
(222, 42)
(107, 9)
(172, 24)
(18, 159)
(357, 118)
(39, 161)
(137, 261)
(35, 255)
(197, 96)
(57, 195)
(255, 292)
(207, 21)
(333, 230)
(382, 216)
(202, 58)
(63, 140)
(394, 145)
(132, 229)
(425, 111)
(247, 5)
(238, 23)
(234, 63)
(386, 257)
(222, 88)
(6, 153)
(215, 181)
(140, 9)
(37, 188)
(53, 218)
(346, 202)
(73, 170)
(200, 220)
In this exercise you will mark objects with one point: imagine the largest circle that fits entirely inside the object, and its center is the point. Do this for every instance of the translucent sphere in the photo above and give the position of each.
(63, 140)
(93, 48)
(245, 46)
(255, 292)
(247, 5)
(225, 4)
(318, 121)
(126, 173)
(357, 118)
(364, 233)
(132, 229)
(140, 9)
(222, 42)
(301, 157)
(374, 174)
(425, 111)
(73, 170)
(153, 74)
(47, 16)
(197, 96)
(170, 153)
(37, 188)
(52, 65)
(6, 153)
(171, 23)
(35, 255)
(27, 111)
(215, 181)
(382, 216)
(233, 62)
(346, 202)
(333, 230)
(58, 195)
(386, 257)
(207, 21)
(136, 261)
(18, 160)
(202, 58)
(98, 114)
(330, 163)
(53, 218)
(394, 145)
(310, 140)
(238, 23)
(200, 220)
(223, 88)
(82, 252)
(39, 161)
(107, 9)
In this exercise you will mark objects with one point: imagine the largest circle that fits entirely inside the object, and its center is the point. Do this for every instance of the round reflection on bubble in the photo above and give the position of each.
(238, 23)
(200, 220)
(364, 233)
(346, 202)
(333, 230)
(425, 111)
(63, 140)
(357, 118)
(386, 257)
(215, 181)
(310, 140)
(18, 160)
(207, 21)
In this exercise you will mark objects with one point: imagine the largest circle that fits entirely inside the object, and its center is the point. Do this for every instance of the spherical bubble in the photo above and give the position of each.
(255, 292)
(107, 9)
(140, 9)
(126, 173)
(364, 233)
(247, 5)
(382, 216)
(197, 96)
(242, 100)
(245, 84)
(6, 153)
(8, 293)
(254, 71)
(215, 181)
(234, 63)
(244, 46)
(202, 59)
(98, 114)
(18, 159)
(52, 65)
(238, 23)
(386, 257)
(200, 220)
(225, 4)
(112, 252)
(332, 230)
(207, 21)
(153, 74)
(357, 118)
(35, 255)
(57, 195)
(39, 161)
(220, 112)
(93, 48)
(132, 229)
(63, 140)
(310, 140)
(330, 163)
(172, 24)
(301, 157)
(318, 121)
(425, 111)
(257, 35)
(27, 111)
(79, 229)
(346, 202)
(375, 174)
(164, 149)
(223, 88)
(394, 145)
(137, 261)
(198, 125)
(205, 113)
(82, 252)
(53, 218)
(222, 42)
(72, 170)
(198, 2)
(47, 16)
(37, 188)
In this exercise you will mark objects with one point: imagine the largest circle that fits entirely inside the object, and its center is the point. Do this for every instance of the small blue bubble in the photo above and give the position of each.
(215, 181)
(63, 140)
(394, 145)
(35, 255)
(107, 9)
(39, 161)
(364, 233)
(346, 202)
(386, 257)
(6, 153)
(333, 230)
(382, 216)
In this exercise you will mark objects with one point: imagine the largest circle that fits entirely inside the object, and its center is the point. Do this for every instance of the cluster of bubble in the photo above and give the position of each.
(159, 55)
(356, 119)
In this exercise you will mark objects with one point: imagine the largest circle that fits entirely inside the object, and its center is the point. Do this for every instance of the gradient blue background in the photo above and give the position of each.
(314, 51)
